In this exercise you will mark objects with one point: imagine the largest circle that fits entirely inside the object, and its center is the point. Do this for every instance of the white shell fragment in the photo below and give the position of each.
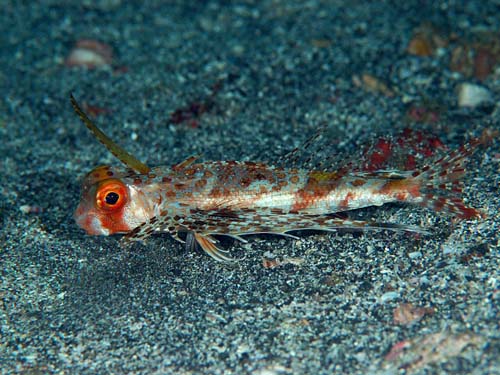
(471, 95)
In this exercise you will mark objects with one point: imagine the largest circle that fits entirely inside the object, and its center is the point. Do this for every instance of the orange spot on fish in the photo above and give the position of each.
(358, 182)
(345, 202)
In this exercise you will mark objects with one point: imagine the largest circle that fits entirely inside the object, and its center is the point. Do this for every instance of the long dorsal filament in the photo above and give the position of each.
(126, 158)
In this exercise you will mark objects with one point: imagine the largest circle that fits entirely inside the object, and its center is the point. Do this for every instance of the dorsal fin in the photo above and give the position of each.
(185, 163)
(128, 159)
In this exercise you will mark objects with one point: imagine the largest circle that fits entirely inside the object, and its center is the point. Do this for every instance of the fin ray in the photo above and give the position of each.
(441, 182)
(207, 243)
(125, 157)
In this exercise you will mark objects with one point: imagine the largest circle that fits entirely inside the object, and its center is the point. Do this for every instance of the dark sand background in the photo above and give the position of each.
(70, 303)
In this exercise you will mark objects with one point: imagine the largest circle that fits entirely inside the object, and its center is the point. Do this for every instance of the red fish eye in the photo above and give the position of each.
(111, 195)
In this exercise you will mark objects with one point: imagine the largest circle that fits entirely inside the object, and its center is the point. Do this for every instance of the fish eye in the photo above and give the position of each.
(112, 198)
(111, 194)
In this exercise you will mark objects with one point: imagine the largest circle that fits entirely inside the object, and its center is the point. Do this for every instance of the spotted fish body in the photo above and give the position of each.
(230, 198)
(238, 198)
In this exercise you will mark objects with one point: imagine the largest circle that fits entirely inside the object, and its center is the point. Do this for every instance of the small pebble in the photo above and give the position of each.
(471, 95)
(27, 209)
(415, 255)
(389, 296)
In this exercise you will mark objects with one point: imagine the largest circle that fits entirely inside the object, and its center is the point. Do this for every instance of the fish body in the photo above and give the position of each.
(240, 198)
(231, 198)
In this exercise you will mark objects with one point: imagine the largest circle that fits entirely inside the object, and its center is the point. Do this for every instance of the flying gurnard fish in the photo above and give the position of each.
(231, 198)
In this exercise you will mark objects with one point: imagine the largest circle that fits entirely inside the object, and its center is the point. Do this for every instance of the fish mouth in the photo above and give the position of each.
(89, 221)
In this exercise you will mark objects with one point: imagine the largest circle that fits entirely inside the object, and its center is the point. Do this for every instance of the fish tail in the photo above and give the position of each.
(441, 184)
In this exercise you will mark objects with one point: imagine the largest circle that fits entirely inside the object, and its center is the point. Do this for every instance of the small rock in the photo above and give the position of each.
(371, 83)
(389, 296)
(471, 95)
(415, 255)
(420, 45)
(407, 313)
(29, 209)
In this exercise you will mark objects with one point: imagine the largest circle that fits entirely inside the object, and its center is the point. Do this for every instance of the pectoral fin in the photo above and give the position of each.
(208, 244)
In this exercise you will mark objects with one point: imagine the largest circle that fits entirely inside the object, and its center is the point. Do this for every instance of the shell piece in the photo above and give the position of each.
(471, 95)
(91, 54)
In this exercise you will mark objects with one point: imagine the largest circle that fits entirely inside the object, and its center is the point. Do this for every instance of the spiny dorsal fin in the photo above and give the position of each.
(128, 159)
(185, 163)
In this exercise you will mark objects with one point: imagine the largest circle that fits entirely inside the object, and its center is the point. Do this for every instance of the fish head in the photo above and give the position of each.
(108, 204)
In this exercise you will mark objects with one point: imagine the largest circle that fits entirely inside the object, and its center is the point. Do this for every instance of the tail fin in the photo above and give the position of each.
(441, 183)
